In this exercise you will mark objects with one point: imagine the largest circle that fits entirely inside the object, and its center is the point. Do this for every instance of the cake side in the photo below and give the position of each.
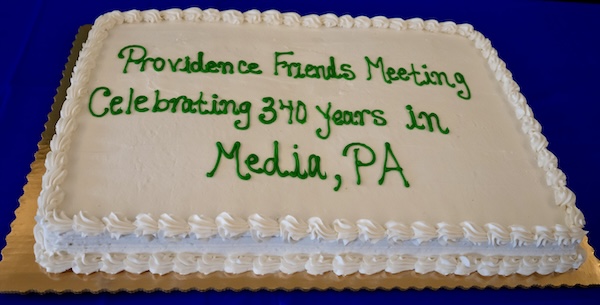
(227, 225)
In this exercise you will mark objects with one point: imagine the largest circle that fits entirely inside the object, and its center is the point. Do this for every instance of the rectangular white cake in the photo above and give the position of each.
(201, 141)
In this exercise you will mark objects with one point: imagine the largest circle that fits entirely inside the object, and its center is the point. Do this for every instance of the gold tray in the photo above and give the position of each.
(19, 273)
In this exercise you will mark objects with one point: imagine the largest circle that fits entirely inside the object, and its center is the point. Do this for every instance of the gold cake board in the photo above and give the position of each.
(19, 273)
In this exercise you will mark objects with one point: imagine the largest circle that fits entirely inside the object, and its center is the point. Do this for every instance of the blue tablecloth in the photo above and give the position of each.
(550, 47)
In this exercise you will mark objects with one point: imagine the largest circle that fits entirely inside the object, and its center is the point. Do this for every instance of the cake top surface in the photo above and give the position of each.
(387, 120)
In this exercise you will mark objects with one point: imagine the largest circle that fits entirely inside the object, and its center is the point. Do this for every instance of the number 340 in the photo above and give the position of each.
(296, 111)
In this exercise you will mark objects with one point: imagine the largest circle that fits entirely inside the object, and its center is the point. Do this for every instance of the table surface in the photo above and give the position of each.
(551, 48)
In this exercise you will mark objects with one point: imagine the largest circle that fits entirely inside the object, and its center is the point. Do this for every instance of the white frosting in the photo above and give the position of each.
(233, 17)
(118, 225)
(202, 226)
(292, 263)
(523, 203)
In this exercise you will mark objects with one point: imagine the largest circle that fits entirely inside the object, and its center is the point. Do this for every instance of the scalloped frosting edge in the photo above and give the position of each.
(290, 228)
(343, 264)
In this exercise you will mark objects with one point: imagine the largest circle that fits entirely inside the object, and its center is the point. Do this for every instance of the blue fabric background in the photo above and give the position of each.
(550, 47)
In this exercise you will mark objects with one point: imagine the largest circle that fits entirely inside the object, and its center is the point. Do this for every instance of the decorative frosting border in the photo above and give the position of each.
(316, 264)
(289, 228)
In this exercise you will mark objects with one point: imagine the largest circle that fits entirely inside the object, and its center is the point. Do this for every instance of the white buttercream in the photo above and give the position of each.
(311, 21)
(230, 226)
(209, 263)
(362, 22)
(186, 263)
(448, 233)
(521, 236)
(86, 263)
(172, 226)
(423, 232)
(263, 228)
(346, 21)
(380, 22)
(192, 14)
(320, 231)
(238, 263)
(398, 231)
(118, 225)
(372, 264)
(172, 14)
(346, 264)
(446, 264)
(426, 264)
(137, 262)
(161, 263)
(211, 15)
(329, 20)
(399, 263)
(497, 234)
(319, 264)
(202, 226)
(145, 225)
(266, 264)
(293, 229)
(272, 17)
(346, 230)
(252, 16)
(474, 232)
(232, 16)
(87, 224)
(292, 263)
(291, 19)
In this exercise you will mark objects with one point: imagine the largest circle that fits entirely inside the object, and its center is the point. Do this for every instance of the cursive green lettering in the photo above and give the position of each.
(106, 93)
(232, 154)
(271, 166)
(420, 76)
(357, 162)
(300, 70)
(115, 101)
(327, 119)
(130, 58)
(386, 169)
